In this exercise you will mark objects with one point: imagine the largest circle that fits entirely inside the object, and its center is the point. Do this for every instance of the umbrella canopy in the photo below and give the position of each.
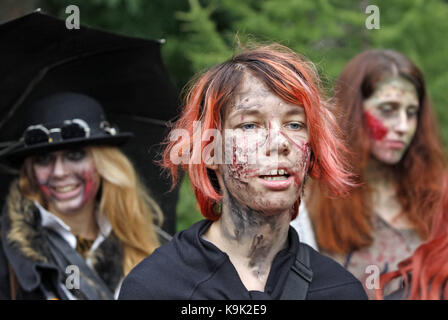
(40, 56)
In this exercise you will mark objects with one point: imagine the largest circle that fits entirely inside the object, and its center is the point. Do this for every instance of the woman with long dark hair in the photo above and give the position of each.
(386, 117)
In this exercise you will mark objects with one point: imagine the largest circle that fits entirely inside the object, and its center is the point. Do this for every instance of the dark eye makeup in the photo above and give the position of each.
(75, 154)
(44, 159)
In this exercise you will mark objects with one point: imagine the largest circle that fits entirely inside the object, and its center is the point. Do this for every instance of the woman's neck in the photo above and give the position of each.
(82, 222)
(385, 202)
(250, 238)
(378, 173)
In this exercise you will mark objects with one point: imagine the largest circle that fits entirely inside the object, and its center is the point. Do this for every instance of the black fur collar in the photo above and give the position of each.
(22, 232)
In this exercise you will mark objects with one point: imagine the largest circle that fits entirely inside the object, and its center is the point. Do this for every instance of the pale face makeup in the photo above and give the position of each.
(268, 141)
(392, 116)
(67, 180)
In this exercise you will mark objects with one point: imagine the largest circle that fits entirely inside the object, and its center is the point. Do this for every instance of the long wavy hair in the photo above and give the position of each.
(425, 273)
(288, 75)
(125, 201)
(343, 225)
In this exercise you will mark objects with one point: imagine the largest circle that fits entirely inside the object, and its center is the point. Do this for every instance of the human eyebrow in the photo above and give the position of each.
(299, 110)
(244, 112)
(75, 154)
(44, 159)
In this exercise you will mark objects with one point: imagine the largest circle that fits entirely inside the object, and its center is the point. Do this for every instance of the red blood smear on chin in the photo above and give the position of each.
(377, 130)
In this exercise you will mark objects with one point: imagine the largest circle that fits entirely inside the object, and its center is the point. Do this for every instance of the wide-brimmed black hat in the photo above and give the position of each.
(64, 120)
(40, 56)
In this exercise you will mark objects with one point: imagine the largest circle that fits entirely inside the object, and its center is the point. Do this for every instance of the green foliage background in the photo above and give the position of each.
(201, 33)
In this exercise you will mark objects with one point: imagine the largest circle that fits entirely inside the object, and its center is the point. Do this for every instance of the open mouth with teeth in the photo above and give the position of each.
(276, 175)
(65, 192)
(65, 188)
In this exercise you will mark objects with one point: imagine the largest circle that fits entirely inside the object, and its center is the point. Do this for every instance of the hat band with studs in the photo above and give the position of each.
(71, 129)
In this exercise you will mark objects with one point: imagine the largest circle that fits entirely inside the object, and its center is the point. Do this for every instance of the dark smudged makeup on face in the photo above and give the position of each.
(391, 116)
(261, 121)
(259, 197)
(46, 159)
(67, 179)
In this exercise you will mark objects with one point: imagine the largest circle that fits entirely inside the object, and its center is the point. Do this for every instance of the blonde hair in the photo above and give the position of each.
(125, 201)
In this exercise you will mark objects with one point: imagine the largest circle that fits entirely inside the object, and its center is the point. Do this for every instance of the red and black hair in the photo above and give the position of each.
(289, 76)
(343, 225)
(425, 273)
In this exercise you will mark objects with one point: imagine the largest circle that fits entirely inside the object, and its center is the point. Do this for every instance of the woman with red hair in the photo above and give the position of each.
(387, 120)
(253, 128)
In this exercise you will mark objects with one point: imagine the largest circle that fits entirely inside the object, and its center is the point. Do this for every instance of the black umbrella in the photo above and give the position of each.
(40, 56)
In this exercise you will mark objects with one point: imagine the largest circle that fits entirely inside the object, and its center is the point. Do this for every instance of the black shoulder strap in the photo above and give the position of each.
(299, 277)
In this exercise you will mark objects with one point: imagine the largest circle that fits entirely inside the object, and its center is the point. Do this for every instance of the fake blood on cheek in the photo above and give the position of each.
(239, 169)
(303, 165)
(89, 185)
(45, 190)
(376, 128)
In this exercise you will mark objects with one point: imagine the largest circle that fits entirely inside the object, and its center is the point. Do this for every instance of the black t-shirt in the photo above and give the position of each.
(190, 267)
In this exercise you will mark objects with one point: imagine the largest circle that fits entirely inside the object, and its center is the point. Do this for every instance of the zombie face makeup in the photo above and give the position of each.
(391, 116)
(67, 180)
(267, 140)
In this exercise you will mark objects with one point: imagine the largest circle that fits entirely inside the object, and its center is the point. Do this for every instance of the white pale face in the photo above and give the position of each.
(268, 141)
(392, 116)
(67, 179)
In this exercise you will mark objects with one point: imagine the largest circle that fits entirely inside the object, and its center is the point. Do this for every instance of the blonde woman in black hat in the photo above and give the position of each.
(78, 219)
